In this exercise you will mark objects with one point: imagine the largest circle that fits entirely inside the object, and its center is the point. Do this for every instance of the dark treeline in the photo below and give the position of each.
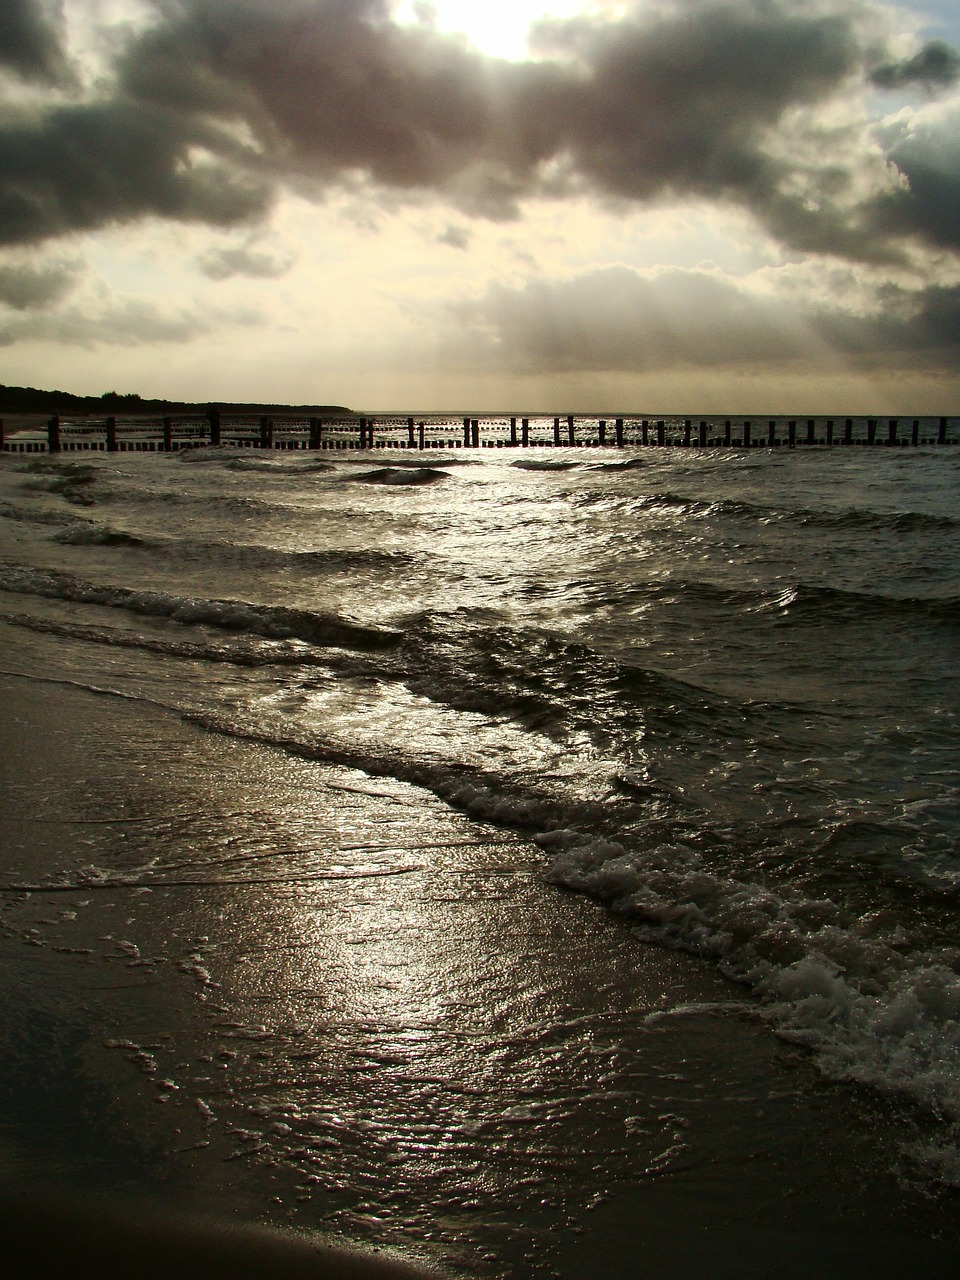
(32, 400)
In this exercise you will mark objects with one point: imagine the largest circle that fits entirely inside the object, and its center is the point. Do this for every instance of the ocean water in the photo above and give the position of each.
(715, 692)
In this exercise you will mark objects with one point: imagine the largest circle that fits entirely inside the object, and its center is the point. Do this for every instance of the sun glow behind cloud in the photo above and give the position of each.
(499, 27)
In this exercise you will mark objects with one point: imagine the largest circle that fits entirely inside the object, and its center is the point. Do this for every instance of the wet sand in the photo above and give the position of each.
(262, 992)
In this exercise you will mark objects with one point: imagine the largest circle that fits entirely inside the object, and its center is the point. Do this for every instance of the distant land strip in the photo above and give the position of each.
(31, 400)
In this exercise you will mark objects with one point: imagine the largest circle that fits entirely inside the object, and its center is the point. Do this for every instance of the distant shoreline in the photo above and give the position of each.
(33, 402)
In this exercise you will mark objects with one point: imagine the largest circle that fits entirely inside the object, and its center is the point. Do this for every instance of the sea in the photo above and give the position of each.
(487, 854)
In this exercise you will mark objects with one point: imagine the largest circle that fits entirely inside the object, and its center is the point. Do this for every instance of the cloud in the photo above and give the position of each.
(30, 42)
(619, 320)
(243, 260)
(936, 65)
(457, 237)
(926, 150)
(123, 322)
(24, 286)
(79, 167)
(218, 105)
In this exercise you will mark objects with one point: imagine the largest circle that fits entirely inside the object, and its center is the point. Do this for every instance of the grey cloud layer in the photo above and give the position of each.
(617, 319)
(223, 101)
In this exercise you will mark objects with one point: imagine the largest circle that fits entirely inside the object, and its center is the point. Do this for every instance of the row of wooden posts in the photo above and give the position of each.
(275, 431)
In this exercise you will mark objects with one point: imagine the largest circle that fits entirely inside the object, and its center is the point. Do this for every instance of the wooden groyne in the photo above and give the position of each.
(63, 434)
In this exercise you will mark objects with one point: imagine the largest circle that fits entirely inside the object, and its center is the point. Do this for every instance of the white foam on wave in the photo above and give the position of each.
(843, 986)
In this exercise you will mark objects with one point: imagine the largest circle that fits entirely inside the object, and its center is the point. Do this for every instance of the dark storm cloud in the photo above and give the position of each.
(331, 87)
(75, 168)
(935, 66)
(29, 42)
(635, 108)
(683, 101)
(616, 319)
(678, 100)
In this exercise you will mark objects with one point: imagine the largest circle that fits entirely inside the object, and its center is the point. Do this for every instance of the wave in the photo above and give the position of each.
(238, 650)
(84, 534)
(268, 466)
(414, 476)
(246, 555)
(543, 464)
(852, 519)
(32, 515)
(814, 605)
(629, 464)
(794, 603)
(72, 481)
(840, 984)
(275, 622)
(875, 521)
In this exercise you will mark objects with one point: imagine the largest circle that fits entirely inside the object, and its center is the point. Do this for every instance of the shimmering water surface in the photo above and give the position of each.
(716, 691)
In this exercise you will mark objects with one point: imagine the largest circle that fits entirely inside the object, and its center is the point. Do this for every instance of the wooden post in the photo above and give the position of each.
(746, 435)
(726, 433)
(168, 435)
(466, 433)
(892, 431)
(525, 432)
(915, 435)
(810, 428)
(513, 433)
(792, 434)
(410, 440)
(53, 434)
(942, 433)
(702, 434)
(571, 436)
(687, 428)
(661, 432)
(602, 431)
(421, 443)
(2, 437)
(112, 435)
(316, 433)
(475, 432)
(871, 431)
(829, 431)
(644, 431)
(619, 428)
(848, 431)
(556, 431)
(266, 433)
(772, 432)
(213, 417)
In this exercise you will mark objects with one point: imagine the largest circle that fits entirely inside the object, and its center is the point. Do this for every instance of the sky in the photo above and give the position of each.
(663, 206)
